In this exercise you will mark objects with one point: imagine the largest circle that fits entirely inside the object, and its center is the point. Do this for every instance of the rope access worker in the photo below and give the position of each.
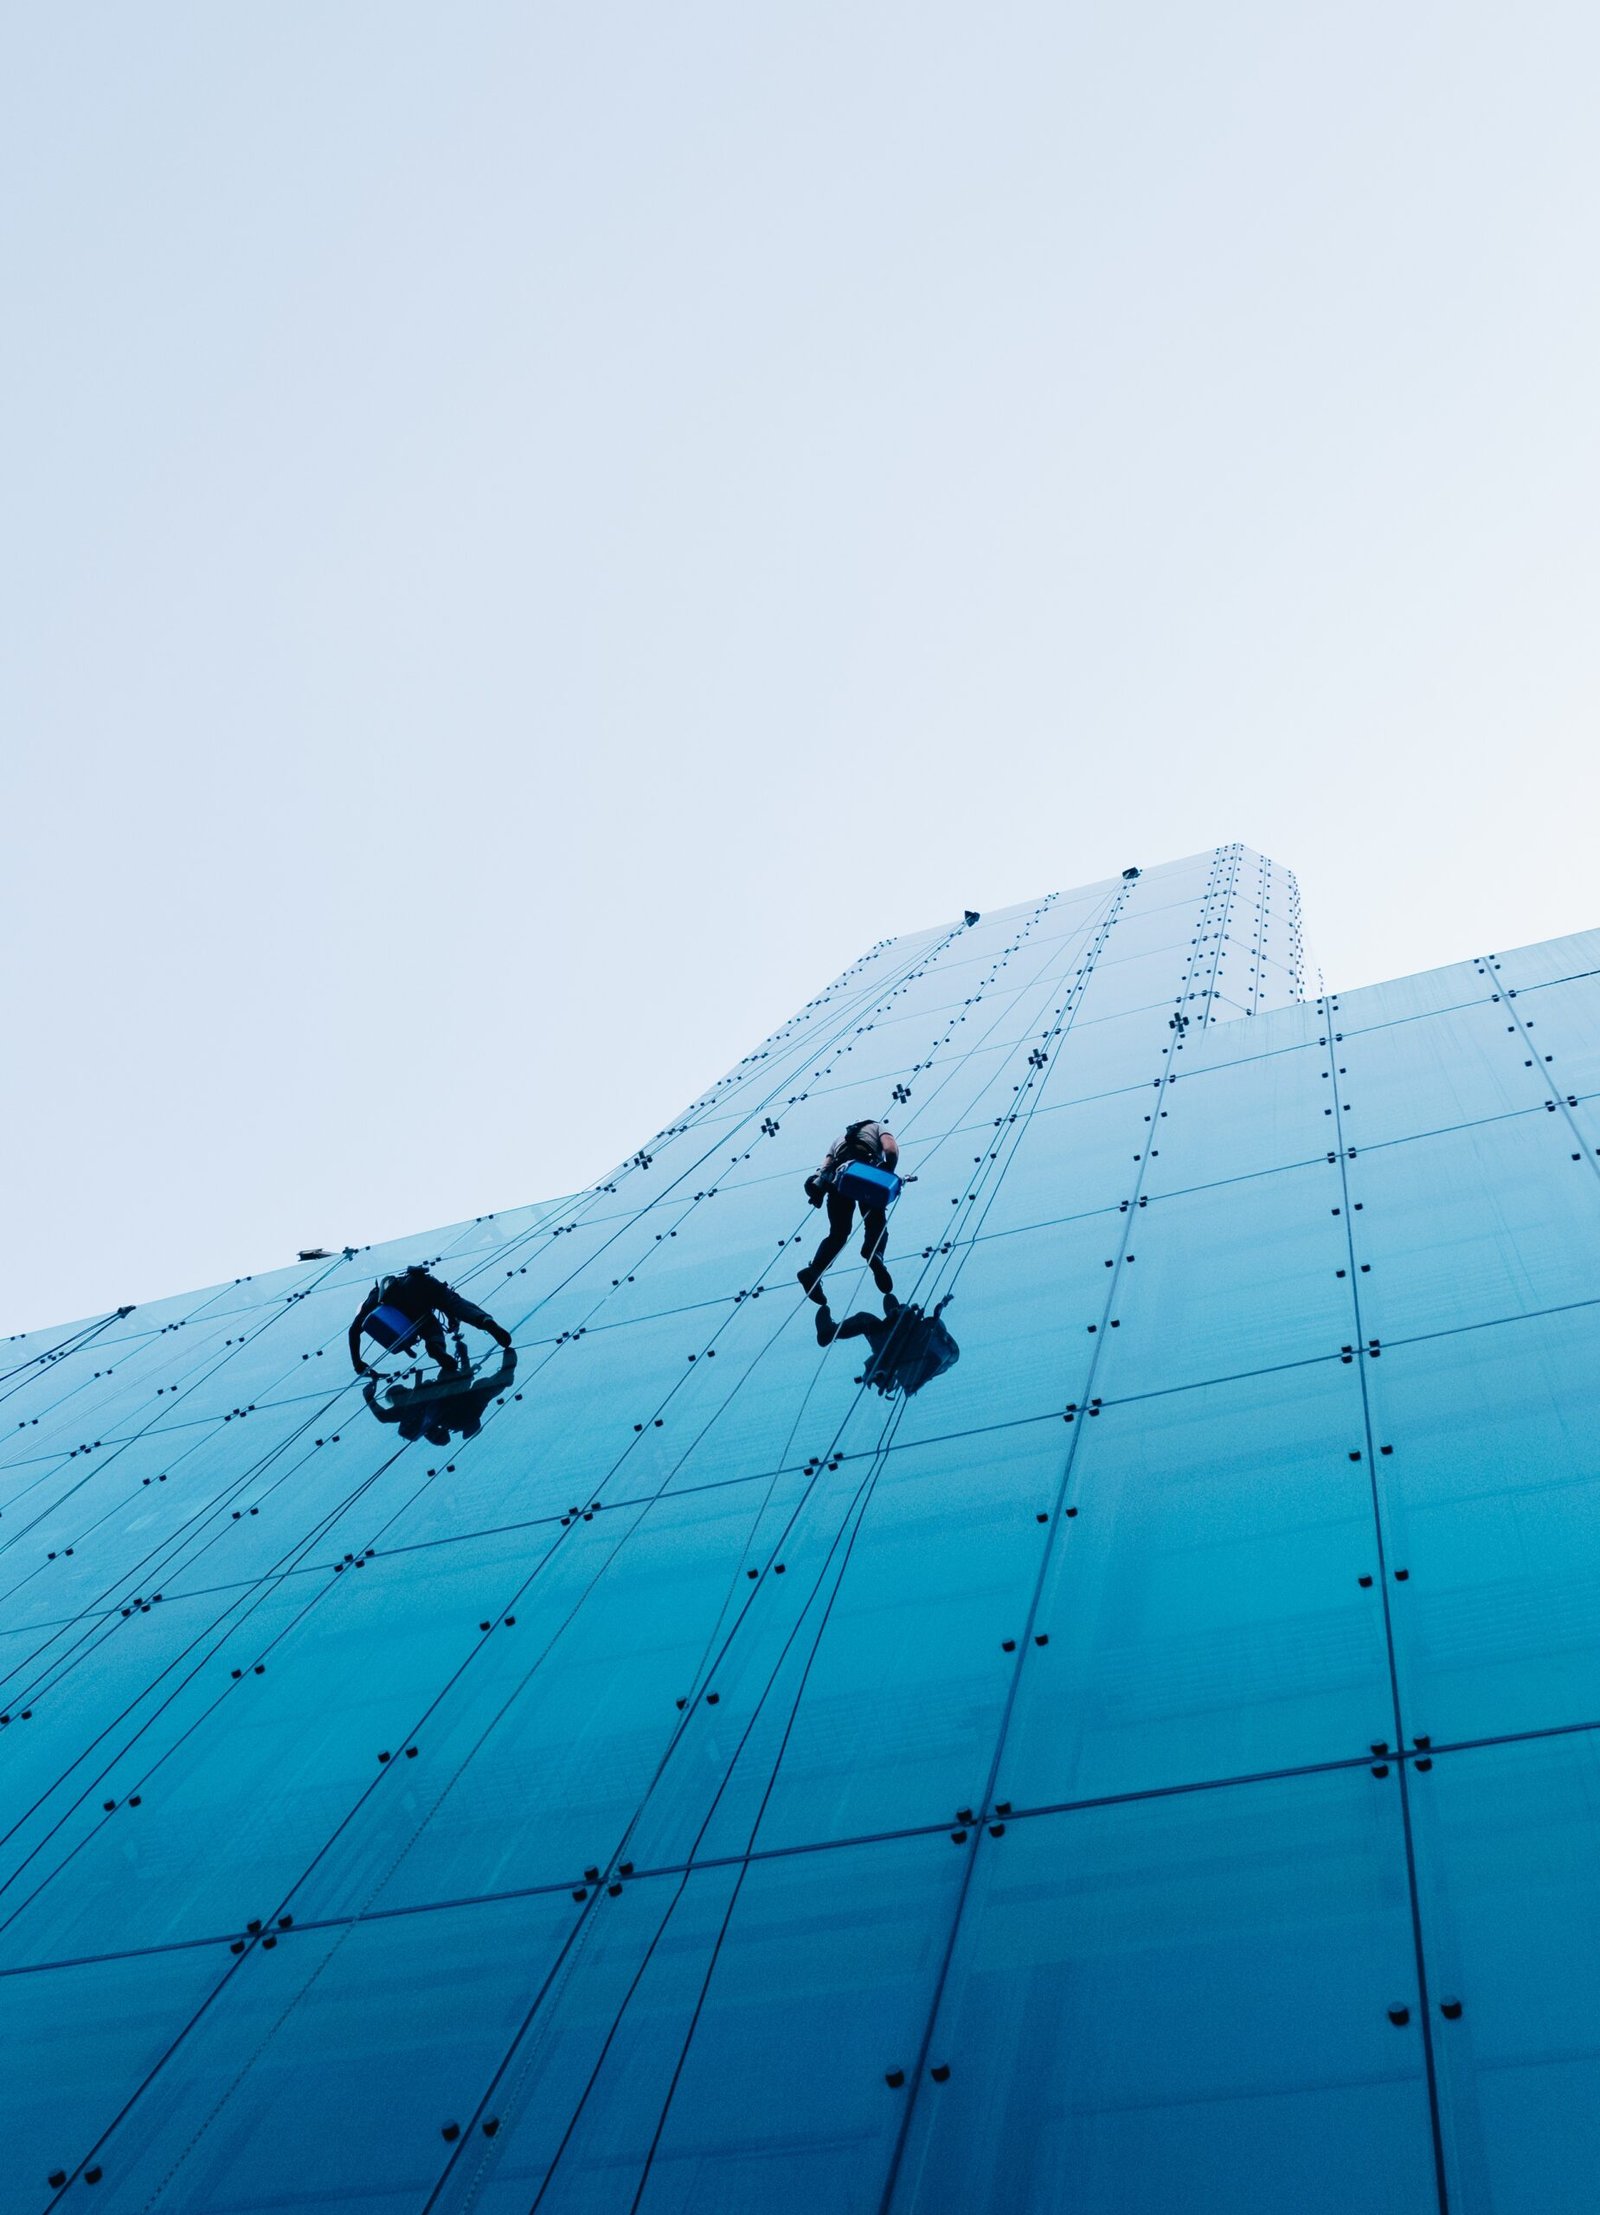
(878, 1149)
(399, 1310)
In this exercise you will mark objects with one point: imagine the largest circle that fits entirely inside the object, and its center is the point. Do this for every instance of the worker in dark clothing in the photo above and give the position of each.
(437, 1414)
(400, 1310)
(909, 1348)
(878, 1149)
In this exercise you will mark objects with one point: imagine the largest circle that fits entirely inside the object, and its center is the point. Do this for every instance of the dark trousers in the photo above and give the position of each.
(841, 1213)
(455, 1309)
(432, 1338)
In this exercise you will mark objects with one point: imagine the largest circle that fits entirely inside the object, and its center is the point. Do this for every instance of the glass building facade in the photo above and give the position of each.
(1111, 1727)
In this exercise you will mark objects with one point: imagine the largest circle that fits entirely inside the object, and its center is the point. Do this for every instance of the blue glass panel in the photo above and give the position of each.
(173, 1511)
(1105, 1053)
(882, 1706)
(681, 1259)
(1458, 983)
(498, 1233)
(1558, 1035)
(1473, 1225)
(736, 2052)
(365, 2042)
(80, 2043)
(973, 1086)
(1228, 1279)
(1151, 979)
(1182, 2003)
(90, 1702)
(1204, 1611)
(1221, 1044)
(1511, 1917)
(1149, 930)
(106, 1391)
(1461, 1066)
(275, 1762)
(999, 1018)
(263, 1365)
(579, 1690)
(1488, 1494)
(286, 1500)
(1215, 1124)
(1071, 1158)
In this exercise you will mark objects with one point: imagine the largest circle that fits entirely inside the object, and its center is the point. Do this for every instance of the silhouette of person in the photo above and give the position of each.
(909, 1348)
(401, 1309)
(437, 1412)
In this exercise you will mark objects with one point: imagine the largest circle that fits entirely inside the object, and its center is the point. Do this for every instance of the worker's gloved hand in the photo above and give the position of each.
(365, 1369)
(816, 1191)
(502, 1337)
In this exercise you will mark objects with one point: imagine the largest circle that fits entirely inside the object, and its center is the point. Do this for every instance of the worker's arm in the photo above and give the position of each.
(361, 1368)
(820, 1179)
(819, 1184)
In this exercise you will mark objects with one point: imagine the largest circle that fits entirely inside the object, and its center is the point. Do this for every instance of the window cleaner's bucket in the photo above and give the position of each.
(390, 1328)
(858, 1180)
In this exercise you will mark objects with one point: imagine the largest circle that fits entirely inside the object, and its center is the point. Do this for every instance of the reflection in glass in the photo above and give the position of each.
(441, 1408)
(909, 1348)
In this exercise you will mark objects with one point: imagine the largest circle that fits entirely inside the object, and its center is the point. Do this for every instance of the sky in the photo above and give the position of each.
(533, 535)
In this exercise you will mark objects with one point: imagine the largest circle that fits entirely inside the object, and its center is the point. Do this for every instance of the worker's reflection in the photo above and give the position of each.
(443, 1407)
(908, 1348)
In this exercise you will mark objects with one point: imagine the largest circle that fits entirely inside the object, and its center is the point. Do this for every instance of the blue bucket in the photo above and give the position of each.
(390, 1328)
(859, 1181)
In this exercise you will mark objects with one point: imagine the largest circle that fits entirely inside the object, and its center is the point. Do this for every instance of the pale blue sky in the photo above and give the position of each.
(534, 535)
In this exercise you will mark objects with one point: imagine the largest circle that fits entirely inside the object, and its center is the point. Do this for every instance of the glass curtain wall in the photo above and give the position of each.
(1108, 1723)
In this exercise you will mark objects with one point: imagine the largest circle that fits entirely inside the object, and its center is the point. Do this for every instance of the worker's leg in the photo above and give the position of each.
(432, 1335)
(841, 1212)
(460, 1311)
(875, 1236)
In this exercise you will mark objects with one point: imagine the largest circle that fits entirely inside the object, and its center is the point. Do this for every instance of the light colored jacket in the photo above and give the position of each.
(868, 1142)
